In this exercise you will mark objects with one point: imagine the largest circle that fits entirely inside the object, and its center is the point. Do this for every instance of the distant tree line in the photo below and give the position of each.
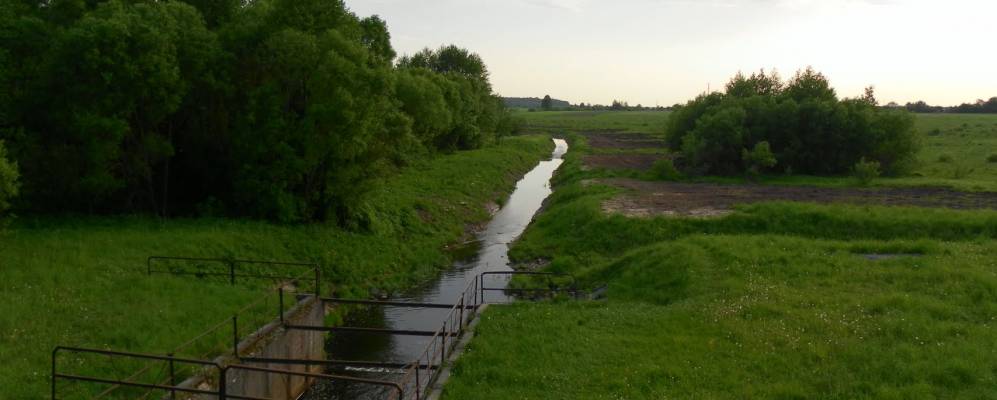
(979, 107)
(762, 123)
(279, 109)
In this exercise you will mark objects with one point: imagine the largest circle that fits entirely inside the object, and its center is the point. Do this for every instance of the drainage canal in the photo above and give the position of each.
(492, 246)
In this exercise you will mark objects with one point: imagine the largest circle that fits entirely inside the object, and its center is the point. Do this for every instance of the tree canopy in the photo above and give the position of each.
(761, 122)
(282, 109)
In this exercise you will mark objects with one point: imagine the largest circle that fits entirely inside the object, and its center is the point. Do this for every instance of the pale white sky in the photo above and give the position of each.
(667, 51)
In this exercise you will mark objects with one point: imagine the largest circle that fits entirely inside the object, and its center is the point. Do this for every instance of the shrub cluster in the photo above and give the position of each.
(283, 109)
(8, 182)
(761, 122)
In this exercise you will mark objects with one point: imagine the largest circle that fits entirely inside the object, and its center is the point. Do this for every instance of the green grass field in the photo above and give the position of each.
(773, 301)
(81, 280)
(956, 149)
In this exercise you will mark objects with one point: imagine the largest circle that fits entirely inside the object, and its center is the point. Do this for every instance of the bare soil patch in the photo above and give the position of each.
(640, 162)
(706, 200)
(623, 140)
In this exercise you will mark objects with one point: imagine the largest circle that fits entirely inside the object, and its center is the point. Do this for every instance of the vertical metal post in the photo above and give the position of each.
(418, 390)
(231, 272)
(443, 349)
(222, 381)
(461, 312)
(280, 292)
(173, 378)
(318, 282)
(235, 335)
(54, 352)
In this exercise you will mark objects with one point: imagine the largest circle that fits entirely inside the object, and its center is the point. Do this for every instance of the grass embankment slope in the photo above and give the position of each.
(773, 301)
(81, 281)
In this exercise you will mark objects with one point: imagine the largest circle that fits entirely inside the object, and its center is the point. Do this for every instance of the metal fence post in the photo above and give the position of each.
(318, 282)
(222, 381)
(235, 335)
(54, 354)
(418, 389)
(231, 271)
(280, 292)
(443, 349)
(461, 312)
(173, 378)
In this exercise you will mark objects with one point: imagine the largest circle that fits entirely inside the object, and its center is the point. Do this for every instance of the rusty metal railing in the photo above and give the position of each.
(230, 268)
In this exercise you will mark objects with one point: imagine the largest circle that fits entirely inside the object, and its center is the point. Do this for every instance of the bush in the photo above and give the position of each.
(9, 185)
(961, 171)
(758, 159)
(866, 171)
(944, 158)
(803, 123)
(992, 158)
(664, 169)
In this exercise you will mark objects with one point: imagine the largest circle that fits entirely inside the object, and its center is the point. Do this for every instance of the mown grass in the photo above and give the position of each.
(81, 280)
(774, 301)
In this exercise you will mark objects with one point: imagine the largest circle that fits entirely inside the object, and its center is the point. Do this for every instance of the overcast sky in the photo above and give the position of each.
(667, 51)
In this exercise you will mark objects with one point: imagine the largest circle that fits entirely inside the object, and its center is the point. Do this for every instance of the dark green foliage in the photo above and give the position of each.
(806, 128)
(546, 104)
(664, 169)
(866, 171)
(281, 109)
(9, 185)
(992, 158)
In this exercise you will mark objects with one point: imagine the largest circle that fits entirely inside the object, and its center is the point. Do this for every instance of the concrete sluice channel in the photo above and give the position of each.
(488, 253)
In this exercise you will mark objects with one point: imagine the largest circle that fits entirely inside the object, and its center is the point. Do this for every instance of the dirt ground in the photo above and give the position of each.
(705, 200)
(621, 140)
(640, 162)
(624, 142)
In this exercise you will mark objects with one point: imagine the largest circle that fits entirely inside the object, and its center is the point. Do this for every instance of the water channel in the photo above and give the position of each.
(489, 253)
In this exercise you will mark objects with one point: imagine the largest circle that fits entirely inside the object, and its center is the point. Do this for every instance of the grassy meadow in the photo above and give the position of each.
(776, 300)
(81, 281)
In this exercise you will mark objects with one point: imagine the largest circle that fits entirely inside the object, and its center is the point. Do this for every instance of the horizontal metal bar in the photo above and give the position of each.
(135, 384)
(393, 303)
(393, 385)
(367, 330)
(527, 290)
(134, 355)
(236, 261)
(345, 363)
(225, 274)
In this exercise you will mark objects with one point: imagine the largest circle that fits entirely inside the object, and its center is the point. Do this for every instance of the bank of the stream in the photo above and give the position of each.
(88, 273)
(775, 300)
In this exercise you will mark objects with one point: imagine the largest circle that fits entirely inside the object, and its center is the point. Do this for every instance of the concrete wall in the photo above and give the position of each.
(273, 341)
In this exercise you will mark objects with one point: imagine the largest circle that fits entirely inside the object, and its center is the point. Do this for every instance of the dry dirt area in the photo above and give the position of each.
(624, 142)
(705, 200)
(640, 162)
(621, 140)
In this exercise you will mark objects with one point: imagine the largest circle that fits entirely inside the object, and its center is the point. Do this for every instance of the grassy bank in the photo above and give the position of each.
(81, 281)
(776, 300)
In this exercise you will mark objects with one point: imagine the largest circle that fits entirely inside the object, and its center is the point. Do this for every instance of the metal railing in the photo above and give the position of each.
(229, 267)
(551, 286)
(418, 376)
(222, 373)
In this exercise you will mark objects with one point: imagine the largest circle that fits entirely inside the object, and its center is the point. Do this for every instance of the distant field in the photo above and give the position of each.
(954, 153)
(628, 121)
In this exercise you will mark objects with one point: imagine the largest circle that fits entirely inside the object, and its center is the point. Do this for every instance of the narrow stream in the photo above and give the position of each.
(488, 253)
